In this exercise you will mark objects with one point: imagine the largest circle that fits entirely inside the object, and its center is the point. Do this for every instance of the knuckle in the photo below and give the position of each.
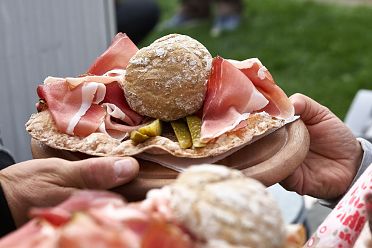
(92, 174)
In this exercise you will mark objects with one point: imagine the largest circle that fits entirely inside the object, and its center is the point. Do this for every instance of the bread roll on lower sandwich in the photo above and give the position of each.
(223, 208)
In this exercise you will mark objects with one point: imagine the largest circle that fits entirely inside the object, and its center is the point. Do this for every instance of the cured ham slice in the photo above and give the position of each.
(117, 108)
(231, 96)
(115, 75)
(77, 108)
(33, 234)
(115, 96)
(74, 111)
(79, 202)
(97, 219)
(76, 104)
(279, 104)
(116, 56)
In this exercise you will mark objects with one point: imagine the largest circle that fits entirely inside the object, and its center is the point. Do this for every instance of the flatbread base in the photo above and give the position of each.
(42, 127)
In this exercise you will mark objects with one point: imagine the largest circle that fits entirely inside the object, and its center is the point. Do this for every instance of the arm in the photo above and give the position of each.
(366, 161)
(367, 157)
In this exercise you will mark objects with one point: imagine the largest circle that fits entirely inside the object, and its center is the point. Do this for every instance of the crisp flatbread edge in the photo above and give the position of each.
(42, 127)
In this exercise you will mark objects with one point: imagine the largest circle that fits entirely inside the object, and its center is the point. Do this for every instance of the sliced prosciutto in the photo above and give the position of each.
(97, 219)
(231, 97)
(117, 108)
(116, 56)
(35, 233)
(95, 101)
(115, 75)
(115, 96)
(76, 104)
(76, 111)
(279, 104)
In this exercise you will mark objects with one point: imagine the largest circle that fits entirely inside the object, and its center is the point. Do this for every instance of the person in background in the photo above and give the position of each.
(227, 16)
(136, 18)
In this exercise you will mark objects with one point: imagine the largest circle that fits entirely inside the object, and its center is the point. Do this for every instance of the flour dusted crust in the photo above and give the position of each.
(226, 209)
(168, 79)
(41, 127)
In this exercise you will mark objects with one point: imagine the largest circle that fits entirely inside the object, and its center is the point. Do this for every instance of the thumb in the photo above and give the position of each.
(100, 173)
(310, 111)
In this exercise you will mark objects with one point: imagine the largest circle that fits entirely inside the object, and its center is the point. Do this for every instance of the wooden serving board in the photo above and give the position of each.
(269, 160)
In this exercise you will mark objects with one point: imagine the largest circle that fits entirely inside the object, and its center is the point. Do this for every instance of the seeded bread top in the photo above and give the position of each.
(168, 79)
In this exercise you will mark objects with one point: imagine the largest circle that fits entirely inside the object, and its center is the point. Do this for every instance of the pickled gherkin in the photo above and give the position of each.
(153, 129)
(194, 124)
(142, 134)
(182, 133)
(138, 137)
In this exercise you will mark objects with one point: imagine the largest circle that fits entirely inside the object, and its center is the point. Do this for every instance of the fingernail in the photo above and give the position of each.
(124, 168)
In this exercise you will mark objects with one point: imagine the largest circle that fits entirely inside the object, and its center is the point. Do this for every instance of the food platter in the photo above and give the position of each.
(269, 160)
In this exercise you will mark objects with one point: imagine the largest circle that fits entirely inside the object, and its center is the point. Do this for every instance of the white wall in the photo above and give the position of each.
(40, 38)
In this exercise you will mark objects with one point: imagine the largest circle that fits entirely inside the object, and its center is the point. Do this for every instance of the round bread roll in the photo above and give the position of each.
(168, 79)
(222, 206)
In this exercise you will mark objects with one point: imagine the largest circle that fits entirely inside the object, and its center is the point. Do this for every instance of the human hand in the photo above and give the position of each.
(48, 182)
(334, 154)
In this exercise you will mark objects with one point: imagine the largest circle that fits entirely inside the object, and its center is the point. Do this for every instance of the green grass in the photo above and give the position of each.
(323, 51)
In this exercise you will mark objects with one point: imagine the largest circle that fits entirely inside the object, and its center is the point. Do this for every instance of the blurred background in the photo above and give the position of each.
(320, 48)
(44, 38)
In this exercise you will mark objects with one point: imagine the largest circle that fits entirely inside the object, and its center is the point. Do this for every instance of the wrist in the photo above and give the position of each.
(359, 154)
(366, 158)
(361, 160)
